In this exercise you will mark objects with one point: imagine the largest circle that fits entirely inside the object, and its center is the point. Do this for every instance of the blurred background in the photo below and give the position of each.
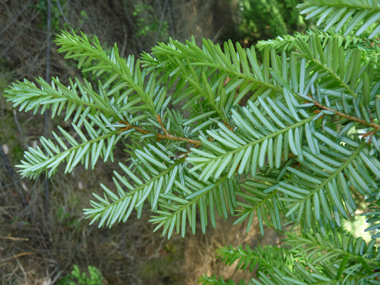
(42, 229)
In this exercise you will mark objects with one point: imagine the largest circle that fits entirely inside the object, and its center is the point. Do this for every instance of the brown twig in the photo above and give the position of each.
(160, 136)
(162, 126)
(17, 256)
(352, 118)
(370, 134)
(229, 127)
(15, 238)
(197, 145)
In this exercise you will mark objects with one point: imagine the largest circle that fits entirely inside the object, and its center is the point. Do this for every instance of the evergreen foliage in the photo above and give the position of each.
(76, 277)
(305, 142)
(266, 19)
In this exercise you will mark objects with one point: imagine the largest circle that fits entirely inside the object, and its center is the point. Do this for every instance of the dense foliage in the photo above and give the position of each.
(296, 154)
(266, 19)
(76, 277)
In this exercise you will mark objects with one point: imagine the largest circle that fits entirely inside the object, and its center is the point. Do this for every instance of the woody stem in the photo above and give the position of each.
(162, 126)
(161, 136)
(352, 118)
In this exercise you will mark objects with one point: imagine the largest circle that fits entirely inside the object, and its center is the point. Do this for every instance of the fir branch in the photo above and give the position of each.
(118, 209)
(313, 189)
(83, 50)
(255, 142)
(30, 97)
(169, 215)
(347, 15)
(288, 42)
(325, 182)
(36, 161)
(250, 210)
(306, 53)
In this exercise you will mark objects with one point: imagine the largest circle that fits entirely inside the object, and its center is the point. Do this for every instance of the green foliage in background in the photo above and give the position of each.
(80, 278)
(295, 156)
(266, 19)
(57, 15)
(148, 25)
(40, 7)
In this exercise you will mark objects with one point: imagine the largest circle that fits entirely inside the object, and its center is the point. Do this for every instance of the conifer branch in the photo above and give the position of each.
(302, 170)
(325, 68)
(351, 118)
